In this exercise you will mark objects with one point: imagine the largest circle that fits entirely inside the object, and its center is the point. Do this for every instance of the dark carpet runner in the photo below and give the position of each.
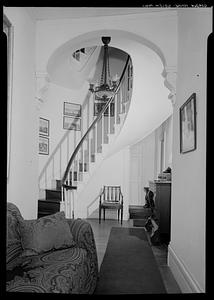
(129, 265)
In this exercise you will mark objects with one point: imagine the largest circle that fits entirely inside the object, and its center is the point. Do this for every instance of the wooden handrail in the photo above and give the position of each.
(59, 144)
(92, 125)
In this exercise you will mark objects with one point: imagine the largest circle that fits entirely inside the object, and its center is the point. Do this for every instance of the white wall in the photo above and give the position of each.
(133, 34)
(22, 184)
(112, 171)
(148, 160)
(188, 204)
(53, 110)
(150, 40)
(141, 168)
(145, 161)
(168, 128)
(163, 132)
(149, 105)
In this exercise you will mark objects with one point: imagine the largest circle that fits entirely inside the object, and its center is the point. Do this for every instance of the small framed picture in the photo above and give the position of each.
(188, 125)
(72, 109)
(71, 123)
(43, 145)
(43, 126)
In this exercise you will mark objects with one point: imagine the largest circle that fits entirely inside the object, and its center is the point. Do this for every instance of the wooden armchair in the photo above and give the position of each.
(111, 197)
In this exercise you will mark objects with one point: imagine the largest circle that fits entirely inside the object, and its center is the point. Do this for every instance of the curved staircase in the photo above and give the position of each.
(80, 155)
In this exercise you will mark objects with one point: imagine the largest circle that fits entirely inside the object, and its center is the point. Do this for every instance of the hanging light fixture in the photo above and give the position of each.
(108, 85)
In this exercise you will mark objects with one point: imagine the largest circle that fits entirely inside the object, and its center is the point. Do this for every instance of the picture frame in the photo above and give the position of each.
(43, 126)
(71, 123)
(188, 125)
(72, 109)
(43, 145)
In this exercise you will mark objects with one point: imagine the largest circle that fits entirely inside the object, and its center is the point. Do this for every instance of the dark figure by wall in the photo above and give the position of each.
(149, 201)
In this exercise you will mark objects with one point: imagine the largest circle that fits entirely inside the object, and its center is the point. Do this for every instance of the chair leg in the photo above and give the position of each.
(99, 215)
(121, 215)
(104, 214)
(118, 215)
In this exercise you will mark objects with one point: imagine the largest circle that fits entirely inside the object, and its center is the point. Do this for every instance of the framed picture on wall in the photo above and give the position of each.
(43, 127)
(188, 125)
(43, 145)
(71, 123)
(72, 109)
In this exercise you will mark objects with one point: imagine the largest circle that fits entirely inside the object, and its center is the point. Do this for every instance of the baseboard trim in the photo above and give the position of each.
(185, 281)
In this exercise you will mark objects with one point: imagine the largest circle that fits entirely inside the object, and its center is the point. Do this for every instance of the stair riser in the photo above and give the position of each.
(45, 208)
(53, 195)
(139, 214)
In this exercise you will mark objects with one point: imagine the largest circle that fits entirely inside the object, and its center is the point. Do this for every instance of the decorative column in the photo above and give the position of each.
(170, 75)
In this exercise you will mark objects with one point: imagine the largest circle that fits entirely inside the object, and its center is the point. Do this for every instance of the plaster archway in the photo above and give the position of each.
(119, 39)
(149, 105)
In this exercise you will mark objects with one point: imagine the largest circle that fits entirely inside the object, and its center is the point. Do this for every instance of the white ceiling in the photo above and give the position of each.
(44, 13)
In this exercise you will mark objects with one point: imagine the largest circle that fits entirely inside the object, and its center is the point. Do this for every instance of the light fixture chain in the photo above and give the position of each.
(103, 68)
(107, 85)
(108, 68)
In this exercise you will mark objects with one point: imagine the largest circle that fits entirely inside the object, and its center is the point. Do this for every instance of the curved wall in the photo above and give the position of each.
(150, 41)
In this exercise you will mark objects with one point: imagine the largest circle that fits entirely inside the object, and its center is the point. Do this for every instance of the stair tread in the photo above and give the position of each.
(50, 200)
(70, 187)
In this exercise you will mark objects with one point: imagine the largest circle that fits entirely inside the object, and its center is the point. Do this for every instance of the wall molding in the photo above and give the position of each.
(170, 75)
(184, 279)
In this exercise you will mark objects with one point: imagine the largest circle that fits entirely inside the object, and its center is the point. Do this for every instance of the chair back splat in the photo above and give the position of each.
(111, 197)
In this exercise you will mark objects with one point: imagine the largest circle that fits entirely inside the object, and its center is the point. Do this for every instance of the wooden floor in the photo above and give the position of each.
(101, 235)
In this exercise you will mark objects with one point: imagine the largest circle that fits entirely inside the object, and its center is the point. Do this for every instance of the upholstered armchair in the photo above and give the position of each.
(58, 263)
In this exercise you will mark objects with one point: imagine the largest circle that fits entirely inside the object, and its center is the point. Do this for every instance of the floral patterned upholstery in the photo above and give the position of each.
(14, 246)
(72, 270)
